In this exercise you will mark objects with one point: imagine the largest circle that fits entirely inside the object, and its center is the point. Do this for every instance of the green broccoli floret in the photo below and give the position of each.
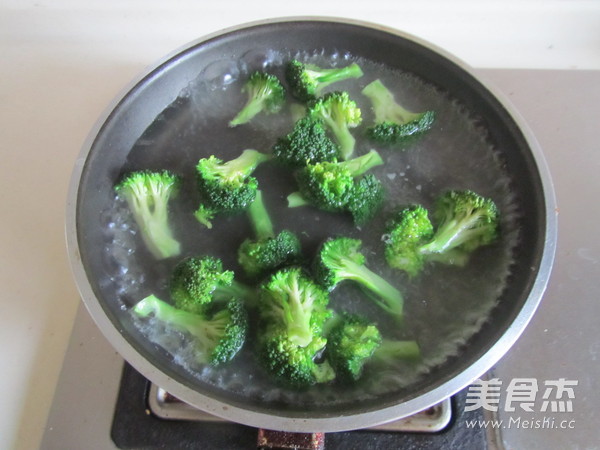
(350, 344)
(147, 194)
(394, 124)
(227, 187)
(197, 281)
(308, 143)
(339, 113)
(337, 187)
(340, 259)
(218, 336)
(406, 233)
(267, 251)
(265, 94)
(464, 221)
(307, 81)
(292, 365)
(293, 301)
(293, 311)
(355, 342)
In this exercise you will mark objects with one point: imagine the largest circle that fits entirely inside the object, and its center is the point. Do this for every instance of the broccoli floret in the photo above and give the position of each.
(292, 365)
(265, 94)
(308, 143)
(147, 194)
(339, 113)
(406, 233)
(307, 81)
(197, 281)
(337, 187)
(340, 259)
(227, 187)
(293, 310)
(394, 124)
(218, 336)
(464, 221)
(293, 301)
(350, 344)
(355, 342)
(267, 251)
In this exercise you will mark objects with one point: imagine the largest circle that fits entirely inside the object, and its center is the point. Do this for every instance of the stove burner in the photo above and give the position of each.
(148, 417)
(166, 406)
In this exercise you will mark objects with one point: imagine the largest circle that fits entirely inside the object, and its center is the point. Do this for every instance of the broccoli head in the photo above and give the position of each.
(293, 301)
(339, 113)
(406, 233)
(337, 186)
(197, 281)
(267, 251)
(350, 344)
(227, 187)
(308, 143)
(366, 199)
(307, 81)
(394, 124)
(341, 259)
(292, 365)
(147, 194)
(355, 342)
(218, 336)
(464, 221)
(265, 94)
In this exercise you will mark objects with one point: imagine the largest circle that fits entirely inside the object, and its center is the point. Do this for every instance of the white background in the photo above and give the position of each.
(62, 62)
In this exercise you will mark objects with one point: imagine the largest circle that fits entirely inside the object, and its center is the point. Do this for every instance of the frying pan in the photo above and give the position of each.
(148, 115)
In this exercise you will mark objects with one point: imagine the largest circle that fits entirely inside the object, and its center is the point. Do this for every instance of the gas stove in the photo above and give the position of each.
(148, 417)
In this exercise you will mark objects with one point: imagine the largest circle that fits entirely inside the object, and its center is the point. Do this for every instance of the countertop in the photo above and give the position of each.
(63, 61)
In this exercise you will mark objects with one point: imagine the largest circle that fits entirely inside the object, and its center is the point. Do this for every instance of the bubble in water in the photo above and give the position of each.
(260, 60)
(220, 74)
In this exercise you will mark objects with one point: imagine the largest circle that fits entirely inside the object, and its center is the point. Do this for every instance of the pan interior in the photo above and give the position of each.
(179, 113)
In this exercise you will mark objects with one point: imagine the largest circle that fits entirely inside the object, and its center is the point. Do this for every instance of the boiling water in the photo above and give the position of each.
(444, 306)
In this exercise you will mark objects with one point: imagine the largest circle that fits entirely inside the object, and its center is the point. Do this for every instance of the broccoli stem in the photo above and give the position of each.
(244, 164)
(390, 350)
(235, 290)
(156, 232)
(323, 372)
(183, 320)
(361, 164)
(343, 136)
(387, 296)
(385, 106)
(451, 235)
(295, 199)
(251, 108)
(325, 77)
(259, 216)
